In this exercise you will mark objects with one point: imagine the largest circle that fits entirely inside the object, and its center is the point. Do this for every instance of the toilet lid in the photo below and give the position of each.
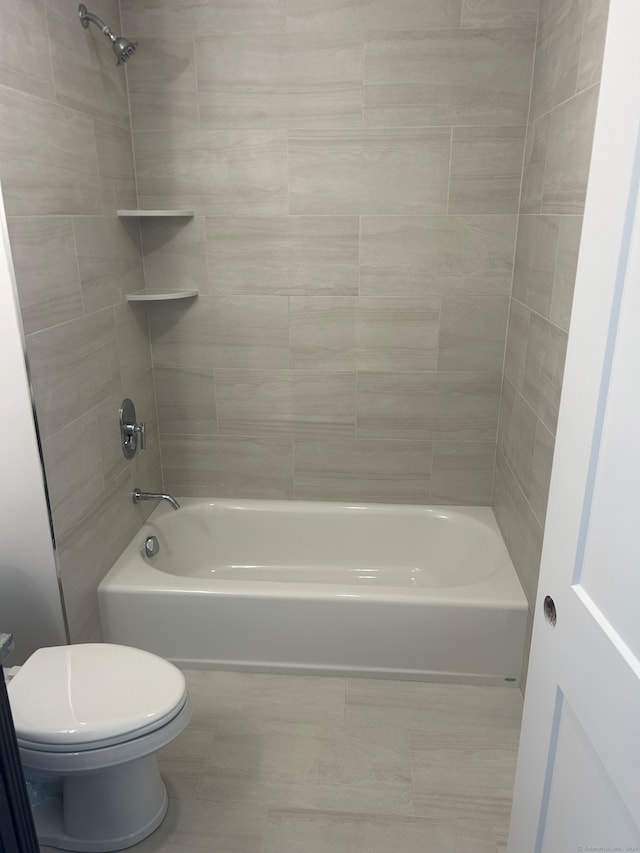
(92, 692)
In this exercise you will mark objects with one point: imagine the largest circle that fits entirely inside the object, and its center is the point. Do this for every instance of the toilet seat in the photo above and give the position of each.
(76, 698)
(105, 743)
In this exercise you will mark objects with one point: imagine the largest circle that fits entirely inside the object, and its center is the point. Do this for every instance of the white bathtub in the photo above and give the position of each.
(292, 586)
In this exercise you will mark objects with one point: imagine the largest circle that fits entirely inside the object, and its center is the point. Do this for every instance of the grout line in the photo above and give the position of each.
(537, 313)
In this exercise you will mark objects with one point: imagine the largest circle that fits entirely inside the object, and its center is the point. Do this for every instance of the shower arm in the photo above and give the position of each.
(86, 16)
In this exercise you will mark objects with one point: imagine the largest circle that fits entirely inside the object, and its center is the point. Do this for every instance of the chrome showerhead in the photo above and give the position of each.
(122, 47)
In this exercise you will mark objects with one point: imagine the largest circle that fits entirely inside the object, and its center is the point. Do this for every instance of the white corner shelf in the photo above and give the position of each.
(160, 295)
(141, 214)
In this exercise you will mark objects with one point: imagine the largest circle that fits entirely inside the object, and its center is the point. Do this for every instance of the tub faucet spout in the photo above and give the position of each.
(138, 496)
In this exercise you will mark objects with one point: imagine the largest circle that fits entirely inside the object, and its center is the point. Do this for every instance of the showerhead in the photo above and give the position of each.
(122, 47)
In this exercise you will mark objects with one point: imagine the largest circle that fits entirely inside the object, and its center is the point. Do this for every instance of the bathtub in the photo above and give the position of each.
(411, 592)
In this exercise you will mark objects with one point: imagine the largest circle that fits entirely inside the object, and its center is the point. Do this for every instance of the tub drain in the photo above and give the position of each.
(151, 546)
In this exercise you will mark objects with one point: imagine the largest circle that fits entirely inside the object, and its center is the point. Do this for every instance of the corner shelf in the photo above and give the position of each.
(155, 213)
(160, 295)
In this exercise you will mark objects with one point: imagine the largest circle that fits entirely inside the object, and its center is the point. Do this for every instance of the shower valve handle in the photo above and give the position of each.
(130, 429)
(137, 429)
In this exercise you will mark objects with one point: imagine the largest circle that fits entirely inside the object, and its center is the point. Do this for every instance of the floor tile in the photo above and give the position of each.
(315, 766)
(326, 832)
(256, 696)
(464, 776)
(430, 707)
(191, 825)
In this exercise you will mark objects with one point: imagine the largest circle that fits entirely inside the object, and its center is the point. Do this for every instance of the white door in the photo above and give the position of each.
(578, 778)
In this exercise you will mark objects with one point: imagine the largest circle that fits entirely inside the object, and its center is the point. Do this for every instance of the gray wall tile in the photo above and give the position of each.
(249, 331)
(565, 271)
(48, 157)
(594, 28)
(229, 466)
(364, 333)
(25, 60)
(46, 267)
(439, 77)
(462, 472)
(535, 155)
(214, 172)
(538, 492)
(164, 18)
(312, 255)
(115, 167)
(280, 80)
(323, 332)
(517, 433)
(535, 263)
(436, 255)
(361, 15)
(428, 406)
(186, 401)
(74, 366)
(72, 459)
(544, 368)
(472, 333)
(557, 54)
(520, 528)
(132, 333)
(181, 334)
(397, 333)
(500, 13)
(516, 346)
(368, 171)
(569, 154)
(486, 167)
(163, 87)
(301, 403)
(109, 259)
(362, 470)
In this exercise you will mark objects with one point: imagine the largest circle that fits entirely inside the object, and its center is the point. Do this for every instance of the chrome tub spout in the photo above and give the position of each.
(138, 496)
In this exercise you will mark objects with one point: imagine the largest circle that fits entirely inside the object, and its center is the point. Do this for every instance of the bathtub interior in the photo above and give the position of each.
(316, 542)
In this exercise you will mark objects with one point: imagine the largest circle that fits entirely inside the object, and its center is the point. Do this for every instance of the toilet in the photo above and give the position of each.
(89, 720)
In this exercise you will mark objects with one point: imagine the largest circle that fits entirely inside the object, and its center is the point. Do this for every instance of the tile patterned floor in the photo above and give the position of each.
(296, 764)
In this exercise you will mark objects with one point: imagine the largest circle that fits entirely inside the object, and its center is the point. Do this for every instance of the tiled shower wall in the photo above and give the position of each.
(66, 165)
(558, 151)
(355, 170)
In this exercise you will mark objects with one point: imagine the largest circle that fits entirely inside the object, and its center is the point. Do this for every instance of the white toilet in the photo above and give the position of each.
(89, 720)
